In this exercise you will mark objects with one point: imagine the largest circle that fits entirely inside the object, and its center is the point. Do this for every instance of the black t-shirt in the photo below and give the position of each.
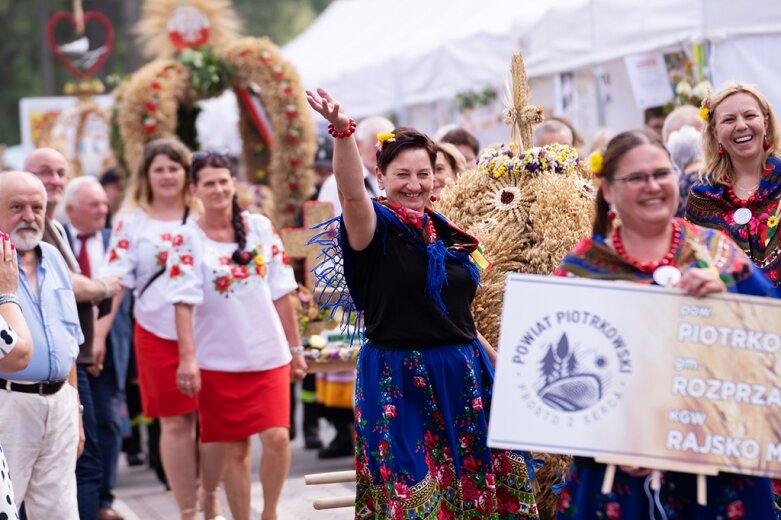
(388, 278)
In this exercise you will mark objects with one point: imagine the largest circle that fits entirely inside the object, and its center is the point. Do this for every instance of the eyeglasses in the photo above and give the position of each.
(641, 179)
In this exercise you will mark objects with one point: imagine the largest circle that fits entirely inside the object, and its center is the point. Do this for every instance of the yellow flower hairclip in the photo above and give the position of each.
(705, 109)
(386, 137)
(704, 113)
(595, 163)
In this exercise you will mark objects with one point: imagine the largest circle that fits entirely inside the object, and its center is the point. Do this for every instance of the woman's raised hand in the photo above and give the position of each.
(9, 270)
(327, 107)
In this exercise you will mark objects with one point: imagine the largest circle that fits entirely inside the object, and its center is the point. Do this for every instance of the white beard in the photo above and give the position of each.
(29, 241)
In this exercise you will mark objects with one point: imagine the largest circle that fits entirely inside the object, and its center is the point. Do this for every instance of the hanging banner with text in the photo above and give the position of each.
(639, 375)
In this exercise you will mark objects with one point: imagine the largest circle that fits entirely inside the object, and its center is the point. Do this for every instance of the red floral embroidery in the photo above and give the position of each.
(477, 403)
(431, 440)
(165, 237)
(274, 250)
(175, 271)
(186, 259)
(113, 256)
(177, 240)
(419, 381)
(469, 490)
(613, 510)
(239, 272)
(471, 464)
(390, 411)
(735, 510)
(565, 500)
(162, 257)
(484, 503)
(401, 491)
(465, 440)
(224, 260)
(385, 472)
(222, 284)
(123, 243)
(502, 464)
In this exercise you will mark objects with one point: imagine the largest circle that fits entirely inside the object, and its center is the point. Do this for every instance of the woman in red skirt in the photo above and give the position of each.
(157, 202)
(230, 281)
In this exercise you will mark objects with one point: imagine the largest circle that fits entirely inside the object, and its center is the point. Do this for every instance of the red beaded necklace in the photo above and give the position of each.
(737, 201)
(648, 267)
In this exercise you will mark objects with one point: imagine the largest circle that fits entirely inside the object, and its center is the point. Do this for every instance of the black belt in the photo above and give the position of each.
(44, 388)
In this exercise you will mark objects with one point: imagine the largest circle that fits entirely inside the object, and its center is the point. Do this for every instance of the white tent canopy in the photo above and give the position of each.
(378, 56)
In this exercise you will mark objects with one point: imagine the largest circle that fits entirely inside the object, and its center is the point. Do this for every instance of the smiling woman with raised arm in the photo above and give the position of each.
(425, 378)
(740, 192)
(639, 189)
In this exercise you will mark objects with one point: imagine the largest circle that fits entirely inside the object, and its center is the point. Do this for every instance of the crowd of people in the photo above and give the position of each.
(175, 281)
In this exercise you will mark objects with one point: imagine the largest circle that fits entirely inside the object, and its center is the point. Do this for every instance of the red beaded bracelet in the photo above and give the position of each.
(343, 133)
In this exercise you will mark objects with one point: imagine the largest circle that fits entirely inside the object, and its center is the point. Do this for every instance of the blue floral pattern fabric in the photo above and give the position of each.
(421, 428)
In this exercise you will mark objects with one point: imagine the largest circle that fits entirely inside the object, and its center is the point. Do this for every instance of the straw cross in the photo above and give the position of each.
(521, 116)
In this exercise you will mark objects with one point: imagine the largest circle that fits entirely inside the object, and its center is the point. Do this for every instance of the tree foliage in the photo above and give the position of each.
(31, 70)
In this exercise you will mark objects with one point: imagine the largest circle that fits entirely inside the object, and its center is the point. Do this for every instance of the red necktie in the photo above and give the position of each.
(83, 257)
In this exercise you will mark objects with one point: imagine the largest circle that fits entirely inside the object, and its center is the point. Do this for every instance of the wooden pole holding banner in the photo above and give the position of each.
(656, 476)
(335, 477)
(334, 503)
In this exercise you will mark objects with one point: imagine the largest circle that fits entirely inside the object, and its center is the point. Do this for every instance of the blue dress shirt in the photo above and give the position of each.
(51, 318)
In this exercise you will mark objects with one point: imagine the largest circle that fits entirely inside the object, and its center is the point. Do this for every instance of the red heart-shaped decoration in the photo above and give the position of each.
(89, 16)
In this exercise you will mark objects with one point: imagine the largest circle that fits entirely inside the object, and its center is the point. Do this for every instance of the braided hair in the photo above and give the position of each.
(201, 160)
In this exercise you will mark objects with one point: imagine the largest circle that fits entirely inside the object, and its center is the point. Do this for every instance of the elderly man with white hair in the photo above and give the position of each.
(39, 412)
(84, 208)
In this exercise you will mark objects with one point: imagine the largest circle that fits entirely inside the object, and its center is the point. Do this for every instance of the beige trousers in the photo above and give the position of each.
(40, 436)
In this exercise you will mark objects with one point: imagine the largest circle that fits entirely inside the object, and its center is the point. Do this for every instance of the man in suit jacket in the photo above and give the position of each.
(86, 205)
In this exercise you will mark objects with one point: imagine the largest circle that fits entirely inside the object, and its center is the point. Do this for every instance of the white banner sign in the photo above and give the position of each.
(639, 375)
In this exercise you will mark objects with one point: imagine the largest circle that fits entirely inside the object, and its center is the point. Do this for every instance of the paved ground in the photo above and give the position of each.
(140, 496)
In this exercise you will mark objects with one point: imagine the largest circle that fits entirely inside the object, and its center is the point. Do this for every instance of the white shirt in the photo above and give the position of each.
(236, 326)
(137, 251)
(330, 193)
(95, 250)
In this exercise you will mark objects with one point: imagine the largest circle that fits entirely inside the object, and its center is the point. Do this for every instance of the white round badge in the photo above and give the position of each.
(742, 216)
(667, 275)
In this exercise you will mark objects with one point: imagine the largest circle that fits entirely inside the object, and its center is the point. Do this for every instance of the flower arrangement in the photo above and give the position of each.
(552, 158)
(686, 94)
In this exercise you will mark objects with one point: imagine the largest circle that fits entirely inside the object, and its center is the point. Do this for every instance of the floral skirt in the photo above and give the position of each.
(730, 497)
(421, 424)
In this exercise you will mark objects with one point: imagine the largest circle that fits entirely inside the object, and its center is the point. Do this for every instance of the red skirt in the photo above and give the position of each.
(237, 405)
(157, 360)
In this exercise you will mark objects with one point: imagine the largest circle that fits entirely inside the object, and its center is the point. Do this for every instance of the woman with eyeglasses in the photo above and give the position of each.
(239, 346)
(636, 238)
(157, 202)
(741, 189)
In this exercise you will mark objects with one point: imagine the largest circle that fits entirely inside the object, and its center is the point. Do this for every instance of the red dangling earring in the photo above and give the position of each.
(433, 198)
(611, 215)
(765, 143)
(721, 150)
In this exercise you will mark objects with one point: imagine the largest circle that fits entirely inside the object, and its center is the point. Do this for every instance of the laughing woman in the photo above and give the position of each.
(741, 192)
(229, 281)
(425, 378)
